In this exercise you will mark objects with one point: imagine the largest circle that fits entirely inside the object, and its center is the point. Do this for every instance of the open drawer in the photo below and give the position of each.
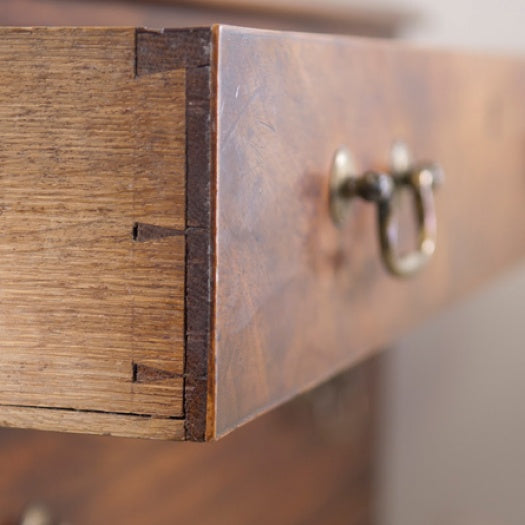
(172, 261)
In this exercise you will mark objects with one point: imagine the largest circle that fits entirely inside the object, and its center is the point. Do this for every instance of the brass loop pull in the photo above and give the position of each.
(382, 189)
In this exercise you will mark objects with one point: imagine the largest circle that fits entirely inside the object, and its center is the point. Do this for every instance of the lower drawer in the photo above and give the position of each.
(173, 260)
(322, 459)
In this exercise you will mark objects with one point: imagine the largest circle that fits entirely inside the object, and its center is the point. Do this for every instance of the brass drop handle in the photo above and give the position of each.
(383, 189)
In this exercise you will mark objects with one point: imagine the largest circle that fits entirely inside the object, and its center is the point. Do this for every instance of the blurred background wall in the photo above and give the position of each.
(451, 424)
(483, 24)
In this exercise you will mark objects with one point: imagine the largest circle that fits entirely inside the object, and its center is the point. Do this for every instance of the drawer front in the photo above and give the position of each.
(298, 298)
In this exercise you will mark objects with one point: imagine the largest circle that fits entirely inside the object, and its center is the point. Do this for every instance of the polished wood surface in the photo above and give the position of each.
(92, 199)
(298, 299)
(308, 462)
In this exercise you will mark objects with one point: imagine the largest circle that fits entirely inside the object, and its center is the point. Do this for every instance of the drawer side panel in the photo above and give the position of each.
(92, 219)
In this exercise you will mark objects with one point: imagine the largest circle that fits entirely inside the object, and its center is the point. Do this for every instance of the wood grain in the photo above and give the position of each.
(92, 154)
(83, 422)
(298, 299)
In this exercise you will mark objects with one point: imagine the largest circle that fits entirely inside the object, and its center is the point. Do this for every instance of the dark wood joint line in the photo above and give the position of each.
(142, 373)
(168, 49)
(189, 49)
(199, 254)
(142, 232)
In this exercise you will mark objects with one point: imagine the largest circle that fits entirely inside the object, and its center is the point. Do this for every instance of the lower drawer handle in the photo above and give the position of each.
(383, 189)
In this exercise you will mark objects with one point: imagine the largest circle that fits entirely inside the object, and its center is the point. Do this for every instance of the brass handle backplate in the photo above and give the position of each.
(382, 188)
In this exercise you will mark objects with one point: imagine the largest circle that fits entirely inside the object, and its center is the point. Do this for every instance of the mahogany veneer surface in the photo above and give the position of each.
(298, 298)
